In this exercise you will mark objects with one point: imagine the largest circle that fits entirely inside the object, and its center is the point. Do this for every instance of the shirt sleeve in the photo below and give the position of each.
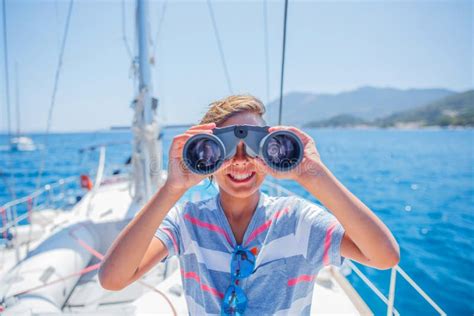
(325, 235)
(169, 232)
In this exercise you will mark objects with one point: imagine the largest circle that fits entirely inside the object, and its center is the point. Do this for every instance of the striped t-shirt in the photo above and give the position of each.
(294, 240)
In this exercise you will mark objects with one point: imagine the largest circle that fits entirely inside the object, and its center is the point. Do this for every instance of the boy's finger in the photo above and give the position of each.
(197, 131)
(203, 126)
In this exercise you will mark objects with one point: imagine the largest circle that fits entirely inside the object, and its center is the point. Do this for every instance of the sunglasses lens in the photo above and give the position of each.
(242, 264)
(282, 151)
(235, 301)
(203, 154)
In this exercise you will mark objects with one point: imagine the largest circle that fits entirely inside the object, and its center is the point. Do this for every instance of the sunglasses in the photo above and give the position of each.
(242, 265)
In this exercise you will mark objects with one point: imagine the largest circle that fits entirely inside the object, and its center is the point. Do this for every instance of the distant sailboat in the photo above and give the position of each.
(22, 143)
(19, 142)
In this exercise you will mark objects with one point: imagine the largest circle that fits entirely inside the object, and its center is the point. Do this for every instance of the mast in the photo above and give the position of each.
(5, 60)
(146, 157)
(17, 100)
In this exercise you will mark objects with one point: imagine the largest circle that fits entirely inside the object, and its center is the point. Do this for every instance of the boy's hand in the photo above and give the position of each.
(310, 165)
(181, 178)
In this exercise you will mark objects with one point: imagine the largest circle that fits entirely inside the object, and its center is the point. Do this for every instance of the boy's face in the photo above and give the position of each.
(239, 176)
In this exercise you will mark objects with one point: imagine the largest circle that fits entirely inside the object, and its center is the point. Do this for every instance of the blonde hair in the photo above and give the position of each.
(221, 110)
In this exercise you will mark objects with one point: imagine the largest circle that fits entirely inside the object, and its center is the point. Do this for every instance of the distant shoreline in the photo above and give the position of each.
(375, 128)
(124, 128)
(406, 128)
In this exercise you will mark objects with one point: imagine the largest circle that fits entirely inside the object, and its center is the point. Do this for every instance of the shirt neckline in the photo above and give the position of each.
(226, 224)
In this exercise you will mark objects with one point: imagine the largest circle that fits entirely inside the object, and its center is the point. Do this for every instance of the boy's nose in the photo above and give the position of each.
(240, 153)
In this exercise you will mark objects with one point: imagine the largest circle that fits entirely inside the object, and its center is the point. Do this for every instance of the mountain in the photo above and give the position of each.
(341, 120)
(367, 103)
(454, 110)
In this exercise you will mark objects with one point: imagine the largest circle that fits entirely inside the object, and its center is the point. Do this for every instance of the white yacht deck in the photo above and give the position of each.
(108, 208)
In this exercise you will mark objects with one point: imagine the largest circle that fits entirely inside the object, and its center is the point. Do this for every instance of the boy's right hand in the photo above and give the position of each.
(181, 178)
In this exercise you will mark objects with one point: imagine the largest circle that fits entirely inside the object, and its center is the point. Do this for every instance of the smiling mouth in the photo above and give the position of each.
(241, 178)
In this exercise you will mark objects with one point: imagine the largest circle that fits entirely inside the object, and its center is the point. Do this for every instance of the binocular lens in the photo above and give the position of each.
(283, 151)
(203, 155)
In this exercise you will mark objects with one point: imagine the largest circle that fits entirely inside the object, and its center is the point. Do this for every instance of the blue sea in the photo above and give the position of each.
(419, 182)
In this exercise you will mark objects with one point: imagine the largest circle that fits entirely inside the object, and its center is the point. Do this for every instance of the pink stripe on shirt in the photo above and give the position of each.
(260, 229)
(205, 287)
(327, 243)
(209, 226)
(175, 245)
(301, 278)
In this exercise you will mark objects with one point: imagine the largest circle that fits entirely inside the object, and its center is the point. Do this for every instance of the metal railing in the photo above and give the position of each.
(390, 300)
(48, 196)
(9, 213)
(9, 217)
(98, 177)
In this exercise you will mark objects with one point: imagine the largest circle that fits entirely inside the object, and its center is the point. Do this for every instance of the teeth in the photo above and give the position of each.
(241, 176)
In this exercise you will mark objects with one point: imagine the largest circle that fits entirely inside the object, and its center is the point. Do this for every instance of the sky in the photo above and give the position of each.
(332, 46)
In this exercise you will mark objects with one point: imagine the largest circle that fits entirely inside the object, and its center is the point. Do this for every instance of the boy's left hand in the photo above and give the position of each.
(309, 166)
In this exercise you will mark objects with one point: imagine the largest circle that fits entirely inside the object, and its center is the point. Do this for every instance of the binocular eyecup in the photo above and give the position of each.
(205, 153)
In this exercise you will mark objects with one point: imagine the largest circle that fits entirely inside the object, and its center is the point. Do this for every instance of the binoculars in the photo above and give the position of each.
(204, 153)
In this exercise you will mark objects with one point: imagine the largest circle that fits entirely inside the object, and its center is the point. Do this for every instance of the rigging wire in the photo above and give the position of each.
(124, 33)
(267, 61)
(58, 36)
(161, 18)
(53, 96)
(158, 31)
(5, 59)
(131, 54)
(219, 45)
(283, 62)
